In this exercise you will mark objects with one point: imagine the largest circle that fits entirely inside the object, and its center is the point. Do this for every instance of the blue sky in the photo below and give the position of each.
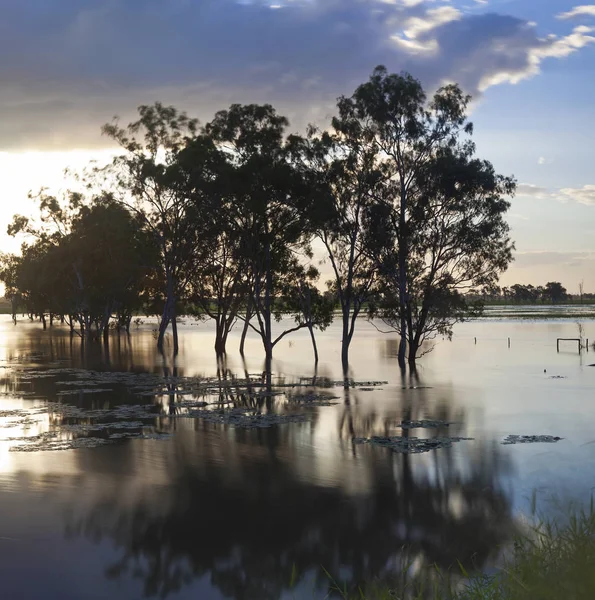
(67, 66)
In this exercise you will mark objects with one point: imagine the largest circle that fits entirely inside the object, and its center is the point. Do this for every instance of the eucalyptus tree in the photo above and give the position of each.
(111, 254)
(443, 222)
(147, 180)
(87, 262)
(310, 307)
(219, 285)
(271, 196)
(349, 180)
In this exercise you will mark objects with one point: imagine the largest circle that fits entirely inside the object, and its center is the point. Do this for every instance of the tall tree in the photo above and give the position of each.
(443, 201)
(348, 180)
(147, 180)
(272, 197)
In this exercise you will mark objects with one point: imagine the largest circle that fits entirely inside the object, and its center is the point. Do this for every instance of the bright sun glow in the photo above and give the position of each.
(23, 172)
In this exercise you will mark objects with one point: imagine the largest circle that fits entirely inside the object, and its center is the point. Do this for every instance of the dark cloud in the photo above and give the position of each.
(68, 65)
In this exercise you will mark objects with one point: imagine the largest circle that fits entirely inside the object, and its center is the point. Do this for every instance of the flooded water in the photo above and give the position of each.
(124, 475)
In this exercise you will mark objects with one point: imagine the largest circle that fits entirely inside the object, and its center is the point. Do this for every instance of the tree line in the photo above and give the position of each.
(553, 292)
(218, 221)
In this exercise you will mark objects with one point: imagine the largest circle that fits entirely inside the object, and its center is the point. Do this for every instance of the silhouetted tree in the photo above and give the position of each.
(273, 198)
(349, 181)
(146, 179)
(442, 231)
(555, 291)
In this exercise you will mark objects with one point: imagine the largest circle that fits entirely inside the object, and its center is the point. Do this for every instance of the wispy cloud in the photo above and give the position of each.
(534, 191)
(539, 258)
(579, 11)
(579, 195)
(582, 195)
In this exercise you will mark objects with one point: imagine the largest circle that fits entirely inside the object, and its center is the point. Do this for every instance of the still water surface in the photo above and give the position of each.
(180, 507)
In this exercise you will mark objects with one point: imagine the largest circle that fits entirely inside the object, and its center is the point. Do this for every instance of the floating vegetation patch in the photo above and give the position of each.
(425, 423)
(369, 389)
(244, 417)
(416, 387)
(360, 384)
(84, 391)
(558, 377)
(312, 398)
(410, 445)
(92, 427)
(190, 404)
(125, 411)
(44, 445)
(531, 439)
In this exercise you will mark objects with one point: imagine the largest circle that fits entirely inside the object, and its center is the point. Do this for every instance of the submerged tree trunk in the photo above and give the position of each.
(346, 340)
(222, 329)
(174, 327)
(268, 330)
(246, 325)
(403, 275)
(42, 317)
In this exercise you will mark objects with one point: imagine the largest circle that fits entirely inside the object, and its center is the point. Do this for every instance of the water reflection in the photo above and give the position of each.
(244, 509)
(239, 508)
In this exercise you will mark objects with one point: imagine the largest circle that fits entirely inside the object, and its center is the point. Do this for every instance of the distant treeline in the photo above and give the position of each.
(217, 221)
(552, 292)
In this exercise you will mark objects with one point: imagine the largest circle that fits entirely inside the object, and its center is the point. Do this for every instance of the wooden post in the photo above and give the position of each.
(577, 340)
(509, 342)
(475, 340)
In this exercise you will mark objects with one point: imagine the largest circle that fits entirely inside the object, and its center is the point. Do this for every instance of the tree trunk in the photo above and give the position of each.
(174, 327)
(42, 317)
(168, 312)
(268, 331)
(403, 275)
(313, 337)
(345, 341)
(222, 329)
(246, 325)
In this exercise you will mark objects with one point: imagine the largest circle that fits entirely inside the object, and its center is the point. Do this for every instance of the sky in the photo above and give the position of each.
(69, 66)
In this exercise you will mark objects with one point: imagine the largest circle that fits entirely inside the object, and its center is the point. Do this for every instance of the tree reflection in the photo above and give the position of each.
(239, 510)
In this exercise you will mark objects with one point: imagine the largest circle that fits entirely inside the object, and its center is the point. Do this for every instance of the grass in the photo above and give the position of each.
(554, 560)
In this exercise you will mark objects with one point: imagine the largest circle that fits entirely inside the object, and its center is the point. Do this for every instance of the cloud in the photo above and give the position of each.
(541, 258)
(580, 195)
(534, 191)
(583, 195)
(67, 66)
(579, 11)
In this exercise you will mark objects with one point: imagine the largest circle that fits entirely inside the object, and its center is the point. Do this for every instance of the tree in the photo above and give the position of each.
(581, 289)
(349, 181)
(442, 231)
(555, 291)
(220, 282)
(88, 261)
(272, 197)
(310, 308)
(147, 180)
